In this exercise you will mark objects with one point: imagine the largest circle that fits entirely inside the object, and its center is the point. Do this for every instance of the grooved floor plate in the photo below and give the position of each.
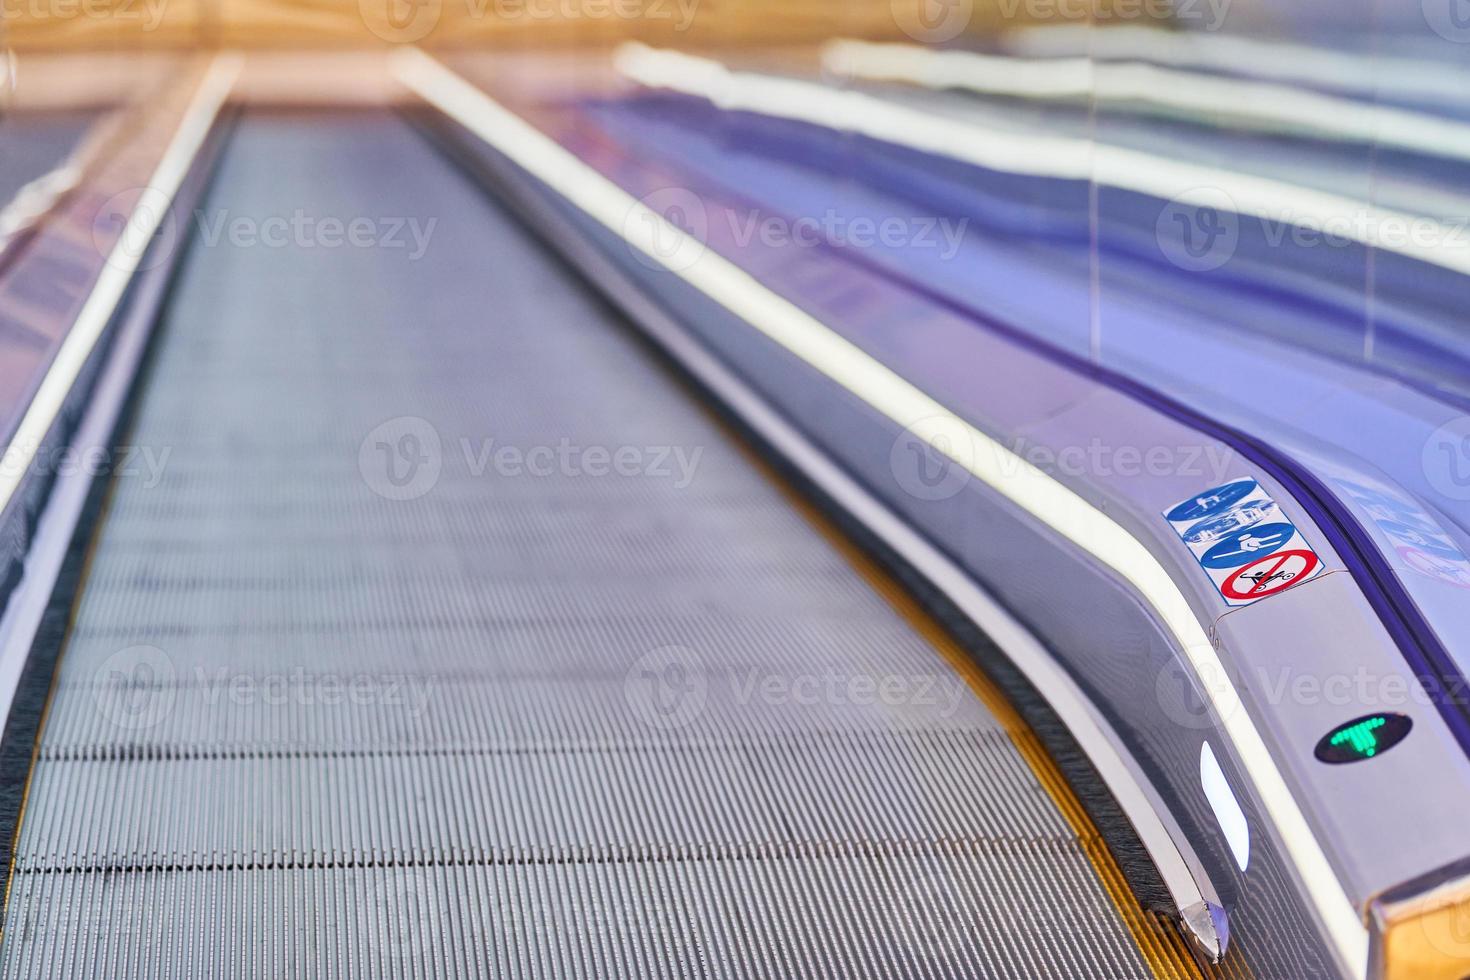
(436, 633)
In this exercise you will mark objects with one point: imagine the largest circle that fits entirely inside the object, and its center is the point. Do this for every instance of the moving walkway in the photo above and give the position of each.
(450, 635)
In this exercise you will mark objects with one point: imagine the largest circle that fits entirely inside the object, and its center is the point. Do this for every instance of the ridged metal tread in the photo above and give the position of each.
(941, 911)
(577, 751)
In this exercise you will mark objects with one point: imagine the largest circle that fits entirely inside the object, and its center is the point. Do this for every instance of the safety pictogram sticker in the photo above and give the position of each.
(1267, 576)
(1243, 541)
(1239, 547)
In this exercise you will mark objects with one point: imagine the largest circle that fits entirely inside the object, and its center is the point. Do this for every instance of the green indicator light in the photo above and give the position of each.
(1363, 738)
(1360, 736)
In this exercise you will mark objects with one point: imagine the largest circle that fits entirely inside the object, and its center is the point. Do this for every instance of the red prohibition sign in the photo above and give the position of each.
(1270, 574)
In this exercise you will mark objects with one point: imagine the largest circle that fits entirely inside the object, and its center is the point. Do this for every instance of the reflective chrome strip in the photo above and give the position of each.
(1057, 157)
(20, 620)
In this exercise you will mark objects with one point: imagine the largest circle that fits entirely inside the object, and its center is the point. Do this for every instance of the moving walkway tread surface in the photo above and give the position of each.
(449, 637)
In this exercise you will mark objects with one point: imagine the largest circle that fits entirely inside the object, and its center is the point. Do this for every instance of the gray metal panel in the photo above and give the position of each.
(302, 729)
(1290, 656)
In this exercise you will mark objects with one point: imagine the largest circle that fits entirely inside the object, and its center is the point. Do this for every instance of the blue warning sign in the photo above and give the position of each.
(1212, 501)
(1247, 544)
(1213, 529)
